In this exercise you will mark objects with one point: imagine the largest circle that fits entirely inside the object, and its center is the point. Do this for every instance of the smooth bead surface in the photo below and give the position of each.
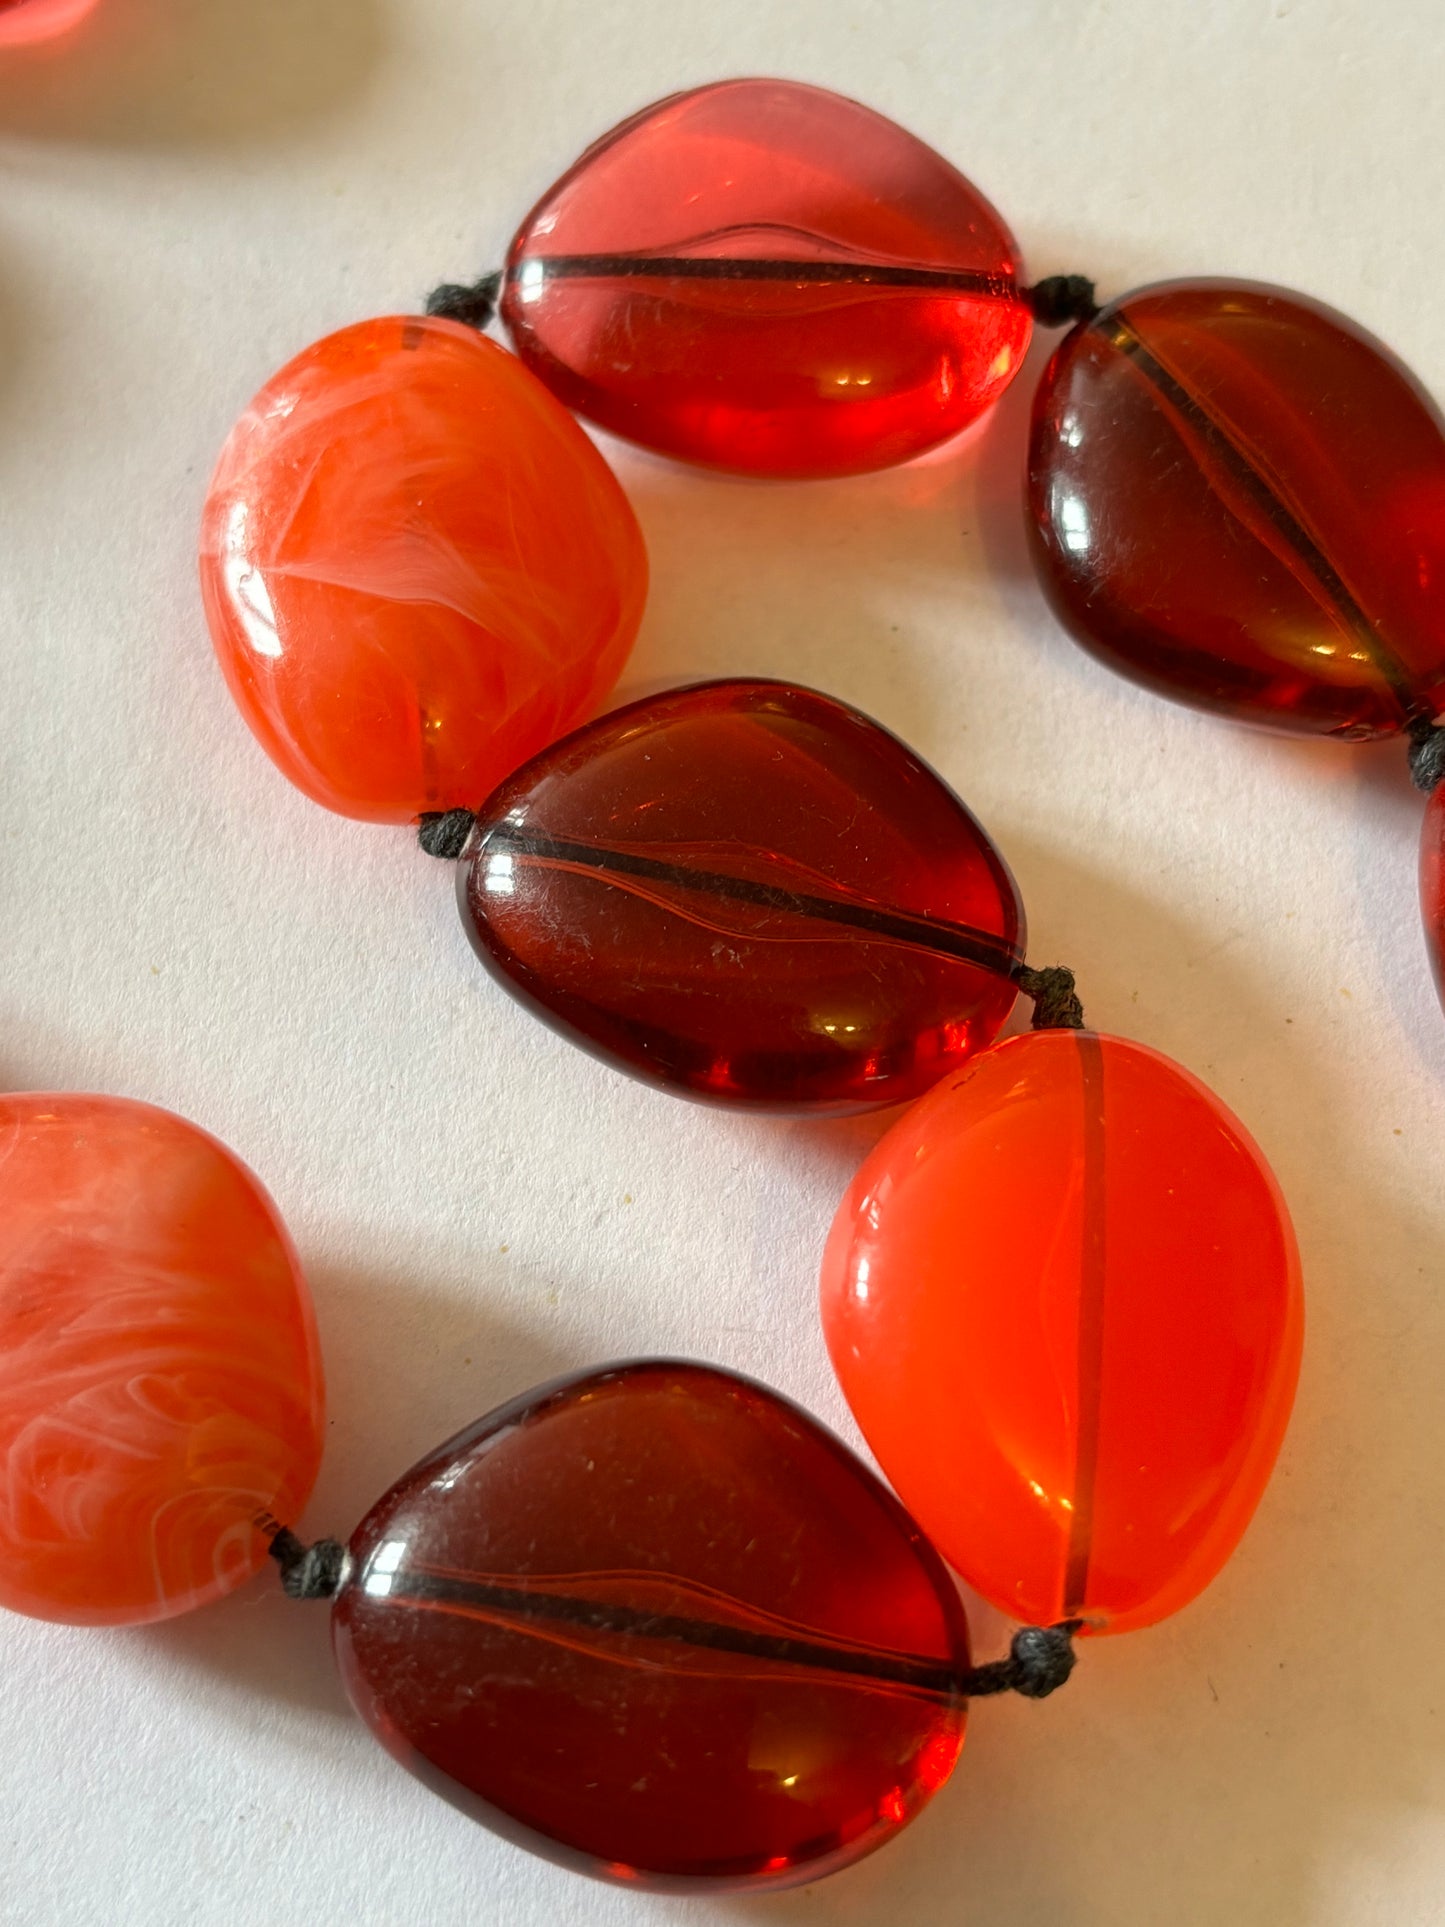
(1239, 500)
(160, 1381)
(1432, 884)
(24, 22)
(768, 278)
(655, 1623)
(747, 892)
(1062, 1296)
(416, 567)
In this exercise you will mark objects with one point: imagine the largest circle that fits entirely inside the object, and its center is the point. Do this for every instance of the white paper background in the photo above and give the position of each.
(187, 196)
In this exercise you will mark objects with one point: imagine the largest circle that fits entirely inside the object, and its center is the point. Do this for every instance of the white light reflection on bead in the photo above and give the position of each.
(499, 880)
(531, 280)
(1073, 520)
(249, 594)
(382, 1570)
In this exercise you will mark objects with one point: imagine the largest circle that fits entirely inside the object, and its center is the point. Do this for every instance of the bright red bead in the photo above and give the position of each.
(25, 21)
(747, 892)
(417, 568)
(160, 1380)
(768, 278)
(655, 1623)
(1062, 1297)
(1239, 500)
(1432, 884)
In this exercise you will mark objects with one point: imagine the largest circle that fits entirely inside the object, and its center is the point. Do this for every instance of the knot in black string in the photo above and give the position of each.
(1040, 1660)
(1060, 299)
(308, 1572)
(1427, 755)
(444, 833)
(474, 304)
(1056, 1002)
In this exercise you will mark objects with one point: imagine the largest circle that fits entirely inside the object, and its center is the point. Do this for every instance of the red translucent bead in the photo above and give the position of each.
(160, 1381)
(765, 277)
(25, 21)
(1239, 500)
(655, 1623)
(1062, 1297)
(416, 567)
(1432, 884)
(747, 892)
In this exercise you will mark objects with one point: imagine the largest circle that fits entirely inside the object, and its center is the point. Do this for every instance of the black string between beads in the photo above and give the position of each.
(1040, 1659)
(474, 304)
(1427, 755)
(1056, 1002)
(1060, 299)
(444, 833)
(308, 1572)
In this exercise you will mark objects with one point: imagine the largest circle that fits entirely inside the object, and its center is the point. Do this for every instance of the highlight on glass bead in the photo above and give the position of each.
(25, 23)
(768, 278)
(160, 1379)
(416, 567)
(1062, 1297)
(747, 892)
(1238, 499)
(654, 1622)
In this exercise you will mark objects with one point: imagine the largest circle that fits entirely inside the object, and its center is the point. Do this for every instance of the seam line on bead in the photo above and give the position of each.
(708, 267)
(1329, 587)
(956, 940)
(1090, 1345)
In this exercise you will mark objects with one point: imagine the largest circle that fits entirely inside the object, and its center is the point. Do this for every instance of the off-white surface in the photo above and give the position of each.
(189, 195)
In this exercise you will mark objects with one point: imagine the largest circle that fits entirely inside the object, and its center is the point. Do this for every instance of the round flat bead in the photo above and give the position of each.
(655, 1623)
(750, 893)
(160, 1381)
(1432, 884)
(23, 22)
(416, 567)
(1062, 1297)
(1239, 500)
(767, 278)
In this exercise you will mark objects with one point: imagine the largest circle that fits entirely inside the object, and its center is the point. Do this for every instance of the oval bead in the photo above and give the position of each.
(1432, 884)
(160, 1380)
(768, 278)
(655, 1623)
(747, 892)
(23, 22)
(1062, 1297)
(416, 567)
(1238, 499)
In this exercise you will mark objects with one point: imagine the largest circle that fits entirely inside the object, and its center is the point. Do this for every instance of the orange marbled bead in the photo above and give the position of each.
(417, 569)
(160, 1379)
(1063, 1299)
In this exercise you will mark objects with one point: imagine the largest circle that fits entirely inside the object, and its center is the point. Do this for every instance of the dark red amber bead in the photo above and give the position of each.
(655, 1623)
(768, 278)
(1432, 884)
(747, 892)
(1239, 500)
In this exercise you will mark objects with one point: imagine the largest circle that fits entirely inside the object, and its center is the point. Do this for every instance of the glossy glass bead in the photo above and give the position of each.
(764, 277)
(1239, 500)
(160, 1381)
(24, 22)
(1432, 884)
(748, 892)
(1062, 1296)
(655, 1623)
(416, 567)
